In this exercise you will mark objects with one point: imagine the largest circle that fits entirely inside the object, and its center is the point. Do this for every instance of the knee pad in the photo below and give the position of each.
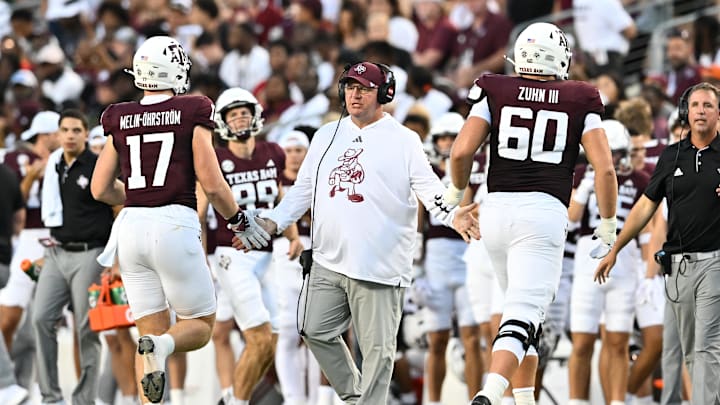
(521, 332)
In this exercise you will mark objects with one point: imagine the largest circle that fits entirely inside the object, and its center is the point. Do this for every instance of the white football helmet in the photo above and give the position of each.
(232, 98)
(619, 140)
(542, 49)
(161, 63)
(450, 124)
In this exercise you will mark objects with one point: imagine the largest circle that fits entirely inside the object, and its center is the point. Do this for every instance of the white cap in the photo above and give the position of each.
(23, 77)
(50, 53)
(44, 122)
(294, 139)
(183, 5)
(97, 136)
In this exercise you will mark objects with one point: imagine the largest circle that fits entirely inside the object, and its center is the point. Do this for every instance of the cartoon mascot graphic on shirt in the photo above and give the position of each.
(347, 175)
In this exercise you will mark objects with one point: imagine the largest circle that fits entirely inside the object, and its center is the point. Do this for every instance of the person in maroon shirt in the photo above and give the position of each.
(253, 170)
(160, 146)
(615, 302)
(446, 274)
(534, 125)
(436, 34)
(480, 47)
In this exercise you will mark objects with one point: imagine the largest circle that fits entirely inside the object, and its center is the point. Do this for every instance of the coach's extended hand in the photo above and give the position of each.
(465, 223)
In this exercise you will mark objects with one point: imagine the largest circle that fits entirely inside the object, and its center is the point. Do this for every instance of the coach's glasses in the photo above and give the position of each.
(350, 88)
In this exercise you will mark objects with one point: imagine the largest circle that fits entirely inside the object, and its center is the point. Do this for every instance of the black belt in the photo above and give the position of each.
(80, 246)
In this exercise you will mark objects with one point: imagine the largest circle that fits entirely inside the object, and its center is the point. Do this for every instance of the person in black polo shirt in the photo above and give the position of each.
(70, 265)
(688, 176)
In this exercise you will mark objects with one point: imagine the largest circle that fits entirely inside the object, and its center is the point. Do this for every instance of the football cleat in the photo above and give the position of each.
(153, 382)
(480, 400)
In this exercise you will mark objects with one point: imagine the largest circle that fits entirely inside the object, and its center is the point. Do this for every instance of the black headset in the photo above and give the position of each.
(386, 90)
(683, 106)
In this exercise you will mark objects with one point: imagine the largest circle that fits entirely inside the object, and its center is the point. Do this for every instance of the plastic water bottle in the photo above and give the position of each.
(31, 268)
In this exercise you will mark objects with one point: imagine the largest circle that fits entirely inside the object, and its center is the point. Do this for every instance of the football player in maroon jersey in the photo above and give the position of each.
(253, 171)
(534, 125)
(446, 274)
(616, 301)
(160, 146)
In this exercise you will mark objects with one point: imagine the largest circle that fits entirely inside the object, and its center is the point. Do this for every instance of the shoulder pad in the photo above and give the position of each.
(475, 94)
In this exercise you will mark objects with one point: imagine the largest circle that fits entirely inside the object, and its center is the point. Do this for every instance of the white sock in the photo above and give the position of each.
(578, 402)
(494, 387)
(617, 402)
(128, 400)
(240, 401)
(507, 401)
(524, 396)
(326, 395)
(101, 402)
(168, 343)
(408, 398)
(648, 400)
(177, 396)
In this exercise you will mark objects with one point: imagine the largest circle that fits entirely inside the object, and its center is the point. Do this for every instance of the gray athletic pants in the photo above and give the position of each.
(697, 311)
(330, 302)
(672, 359)
(66, 276)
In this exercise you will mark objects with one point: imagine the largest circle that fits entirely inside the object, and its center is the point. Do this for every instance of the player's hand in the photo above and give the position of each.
(296, 247)
(465, 223)
(651, 291)
(607, 233)
(604, 267)
(645, 291)
(248, 230)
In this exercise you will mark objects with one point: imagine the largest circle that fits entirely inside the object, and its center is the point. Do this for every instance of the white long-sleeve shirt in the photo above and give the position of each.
(365, 214)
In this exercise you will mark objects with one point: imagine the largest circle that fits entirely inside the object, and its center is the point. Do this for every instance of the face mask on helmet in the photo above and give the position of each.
(620, 145)
(233, 122)
(542, 49)
(160, 63)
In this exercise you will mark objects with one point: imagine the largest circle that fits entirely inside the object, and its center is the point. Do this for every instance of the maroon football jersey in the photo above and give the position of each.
(303, 224)
(154, 144)
(477, 172)
(653, 150)
(16, 161)
(630, 188)
(535, 132)
(254, 182)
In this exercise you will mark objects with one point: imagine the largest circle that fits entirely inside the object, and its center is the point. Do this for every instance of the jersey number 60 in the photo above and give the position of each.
(522, 148)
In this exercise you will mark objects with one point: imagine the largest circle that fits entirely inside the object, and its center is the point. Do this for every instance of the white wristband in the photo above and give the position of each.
(453, 195)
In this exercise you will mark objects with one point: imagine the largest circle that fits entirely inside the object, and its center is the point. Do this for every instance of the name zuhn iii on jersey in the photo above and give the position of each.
(251, 175)
(538, 95)
(150, 119)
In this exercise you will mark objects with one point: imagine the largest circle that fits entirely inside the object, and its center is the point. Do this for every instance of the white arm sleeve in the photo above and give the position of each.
(592, 121)
(481, 110)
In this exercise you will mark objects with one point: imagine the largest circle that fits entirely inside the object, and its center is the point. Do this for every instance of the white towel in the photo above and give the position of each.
(51, 208)
(107, 257)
